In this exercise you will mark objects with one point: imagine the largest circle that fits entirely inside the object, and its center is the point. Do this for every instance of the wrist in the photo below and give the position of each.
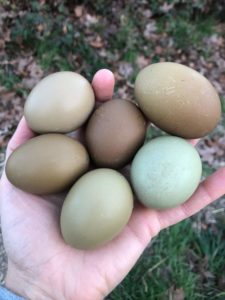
(23, 284)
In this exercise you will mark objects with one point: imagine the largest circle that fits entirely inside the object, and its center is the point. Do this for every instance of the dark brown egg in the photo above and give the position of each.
(178, 99)
(47, 164)
(114, 133)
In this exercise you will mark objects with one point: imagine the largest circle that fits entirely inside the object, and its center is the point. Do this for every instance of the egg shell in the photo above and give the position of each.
(165, 172)
(61, 102)
(178, 99)
(96, 209)
(114, 133)
(47, 164)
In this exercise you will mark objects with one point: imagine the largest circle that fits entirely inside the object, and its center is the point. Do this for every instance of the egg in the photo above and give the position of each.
(96, 209)
(165, 172)
(61, 102)
(114, 133)
(47, 164)
(178, 99)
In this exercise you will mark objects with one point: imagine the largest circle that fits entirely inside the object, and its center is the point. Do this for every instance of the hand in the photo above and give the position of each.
(41, 266)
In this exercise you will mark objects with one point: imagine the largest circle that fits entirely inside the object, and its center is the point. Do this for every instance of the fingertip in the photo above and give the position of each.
(103, 84)
(194, 142)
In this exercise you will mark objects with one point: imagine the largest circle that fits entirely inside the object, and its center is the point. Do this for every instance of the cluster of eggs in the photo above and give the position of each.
(164, 172)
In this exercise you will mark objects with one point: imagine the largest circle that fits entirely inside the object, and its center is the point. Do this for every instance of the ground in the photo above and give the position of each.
(39, 37)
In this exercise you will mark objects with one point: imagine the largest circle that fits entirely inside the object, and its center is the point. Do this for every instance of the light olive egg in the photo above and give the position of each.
(165, 172)
(114, 133)
(96, 209)
(178, 99)
(61, 102)
(46, 164)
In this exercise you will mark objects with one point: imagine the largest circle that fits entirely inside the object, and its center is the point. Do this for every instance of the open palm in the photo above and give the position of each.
(42, 266)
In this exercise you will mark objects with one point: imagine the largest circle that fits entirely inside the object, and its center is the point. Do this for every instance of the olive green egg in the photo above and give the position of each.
(178, 99)
(61, 102)
(47, 164)
(165, 172)
(96, 209)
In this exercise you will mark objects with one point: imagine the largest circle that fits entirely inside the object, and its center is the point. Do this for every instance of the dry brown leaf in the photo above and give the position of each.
(159, 50)
(2, 44)
(166, 7)
(176, 293)
(78, 11)
(7, 95)
(90, 20)
(117, 76)
(150, 29)
(22, 64)
(40, 27)
(35, 70)
(103, 53)
(123, 93)
(125, 69)
(64, 29)
(97, 43)
(216, 40)
(7, 36)
(147, 13)
(142, 61)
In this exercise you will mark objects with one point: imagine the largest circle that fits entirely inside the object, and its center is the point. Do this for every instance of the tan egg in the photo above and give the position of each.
(61, 102)
(47, 164)
(96, 209)
(114, 133)
(178, 99)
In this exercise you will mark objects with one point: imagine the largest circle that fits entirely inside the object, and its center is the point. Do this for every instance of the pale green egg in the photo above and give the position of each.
(165, 172)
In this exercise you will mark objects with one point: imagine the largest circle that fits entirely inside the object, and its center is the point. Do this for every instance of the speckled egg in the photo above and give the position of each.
(165, 172)
(178, 99)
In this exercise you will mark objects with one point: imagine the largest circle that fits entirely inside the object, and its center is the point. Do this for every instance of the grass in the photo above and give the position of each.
(54, 38)
(60, 43)
(186, 33)
(222, 100)
(8, 78)
(180, 259)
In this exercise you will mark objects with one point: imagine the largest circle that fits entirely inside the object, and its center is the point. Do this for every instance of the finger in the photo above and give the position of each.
(208, 191)
(103, 84)
(193, 142)
(21, 135)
